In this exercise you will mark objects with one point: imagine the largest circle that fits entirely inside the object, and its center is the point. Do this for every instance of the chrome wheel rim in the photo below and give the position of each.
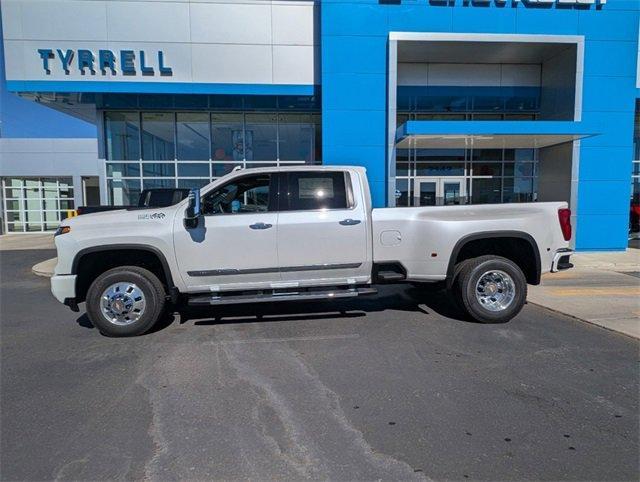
(122, 303)
(495, 290)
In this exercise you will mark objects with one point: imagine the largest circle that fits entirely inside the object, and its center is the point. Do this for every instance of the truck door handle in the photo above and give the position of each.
(350, 222)
(261, 226)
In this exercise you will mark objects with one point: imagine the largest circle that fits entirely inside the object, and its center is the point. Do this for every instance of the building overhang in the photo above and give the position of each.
(488, 134)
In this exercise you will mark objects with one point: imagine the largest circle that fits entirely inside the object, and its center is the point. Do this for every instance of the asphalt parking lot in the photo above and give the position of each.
(386, 387)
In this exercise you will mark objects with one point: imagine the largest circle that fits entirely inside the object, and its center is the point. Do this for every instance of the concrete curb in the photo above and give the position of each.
(45, 268)
(590, 322)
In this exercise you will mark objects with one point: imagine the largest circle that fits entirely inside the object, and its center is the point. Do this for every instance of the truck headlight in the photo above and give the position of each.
(62, 230)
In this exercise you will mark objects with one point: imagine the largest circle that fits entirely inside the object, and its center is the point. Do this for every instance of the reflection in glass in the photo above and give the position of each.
(227, 142)
(193, 136)
(486, 191)
(157, 136)
(122, 135)
(123, 169)
(261, 137)
(123, 192)
(296, 138)
(193, 169)
(158, 169)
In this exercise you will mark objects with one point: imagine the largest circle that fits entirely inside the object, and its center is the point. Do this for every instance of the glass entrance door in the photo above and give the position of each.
(427, 193)
(439, 191)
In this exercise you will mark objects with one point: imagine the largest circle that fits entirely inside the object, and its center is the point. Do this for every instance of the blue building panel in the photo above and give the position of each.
(355, 41)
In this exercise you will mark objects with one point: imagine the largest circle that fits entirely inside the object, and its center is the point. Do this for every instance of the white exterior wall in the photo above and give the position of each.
(210, 42)
(74, 158)
(473, 75)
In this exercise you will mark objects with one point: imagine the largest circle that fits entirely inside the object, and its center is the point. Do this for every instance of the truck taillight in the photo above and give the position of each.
(564, 216)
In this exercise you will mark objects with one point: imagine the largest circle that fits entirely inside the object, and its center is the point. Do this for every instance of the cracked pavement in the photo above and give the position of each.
(392, 387)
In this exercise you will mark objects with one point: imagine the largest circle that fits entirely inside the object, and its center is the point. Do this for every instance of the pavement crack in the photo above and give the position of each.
(303, 421)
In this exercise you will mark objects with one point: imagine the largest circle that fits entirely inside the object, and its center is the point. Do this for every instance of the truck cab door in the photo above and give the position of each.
(323, 229)
(234, 245)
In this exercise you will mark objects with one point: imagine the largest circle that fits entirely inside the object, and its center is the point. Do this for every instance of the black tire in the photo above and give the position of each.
(470, 272)
(146, 281)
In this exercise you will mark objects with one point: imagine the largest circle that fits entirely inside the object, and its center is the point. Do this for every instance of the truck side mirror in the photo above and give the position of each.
(192, 214)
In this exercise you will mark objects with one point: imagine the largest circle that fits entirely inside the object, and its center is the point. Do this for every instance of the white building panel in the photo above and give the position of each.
(293, 64)
(232, 64)
(293, 24)
(80, 20)
(227, 23)
(412, 73)
(11, 19)
(517, 75)
(148, 22)
(477, 75)
(204, 41)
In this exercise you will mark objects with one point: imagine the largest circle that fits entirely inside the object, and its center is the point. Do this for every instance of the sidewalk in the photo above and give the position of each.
(10, 242)
(603, 289)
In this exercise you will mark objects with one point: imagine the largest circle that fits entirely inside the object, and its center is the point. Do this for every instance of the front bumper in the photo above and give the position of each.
(561, 260)
(63, 287)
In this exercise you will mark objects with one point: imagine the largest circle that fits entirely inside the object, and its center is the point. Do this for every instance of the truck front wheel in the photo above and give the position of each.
(125, 301)
(491, 289)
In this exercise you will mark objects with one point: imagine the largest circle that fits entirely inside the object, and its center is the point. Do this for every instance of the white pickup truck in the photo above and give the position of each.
(300, 233)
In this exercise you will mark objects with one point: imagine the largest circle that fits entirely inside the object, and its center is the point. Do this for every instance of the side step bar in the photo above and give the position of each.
(272, 296)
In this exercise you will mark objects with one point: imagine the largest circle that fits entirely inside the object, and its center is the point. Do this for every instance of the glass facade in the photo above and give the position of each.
(485, 176)
(190, 149)
(36, 204)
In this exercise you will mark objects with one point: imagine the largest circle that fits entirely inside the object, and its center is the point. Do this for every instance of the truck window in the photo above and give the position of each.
(315, 190)
(250, 194)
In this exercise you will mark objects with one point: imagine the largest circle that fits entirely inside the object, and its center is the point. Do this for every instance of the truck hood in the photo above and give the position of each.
(120, 217)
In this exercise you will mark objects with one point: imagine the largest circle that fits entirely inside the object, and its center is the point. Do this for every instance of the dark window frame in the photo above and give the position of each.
(284, 204)
(274, 184)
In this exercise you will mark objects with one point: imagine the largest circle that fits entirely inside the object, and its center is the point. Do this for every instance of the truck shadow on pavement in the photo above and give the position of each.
(405, 298)
(427, 300)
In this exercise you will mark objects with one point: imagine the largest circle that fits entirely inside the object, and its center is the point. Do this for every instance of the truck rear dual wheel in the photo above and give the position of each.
(125, 301)
(490, 289)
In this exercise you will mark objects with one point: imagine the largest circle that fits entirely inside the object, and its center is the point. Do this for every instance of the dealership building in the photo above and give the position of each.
(444, 102)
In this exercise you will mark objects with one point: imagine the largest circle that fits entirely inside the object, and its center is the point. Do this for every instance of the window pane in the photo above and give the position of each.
(312, 190)
(122, 134)
(486, 191)
(68, 204)
(157, 136)
(157, 183)
(248, 194)
(519, 169)
(402, 192)
(51, 204)
(192, 183)
(221, 169)
(250, 165)
(261, 137)
(15, 205)
(123, 192)
(440, 155)
(193, 136)
(158, 169)
(487, 169)
(486, 154)
(122, 169)
(226, 137)
(440, 169)
(186, 169)
(296, 137)
(518, 190)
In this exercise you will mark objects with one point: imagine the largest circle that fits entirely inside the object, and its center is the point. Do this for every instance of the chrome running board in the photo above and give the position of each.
(268, 296)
